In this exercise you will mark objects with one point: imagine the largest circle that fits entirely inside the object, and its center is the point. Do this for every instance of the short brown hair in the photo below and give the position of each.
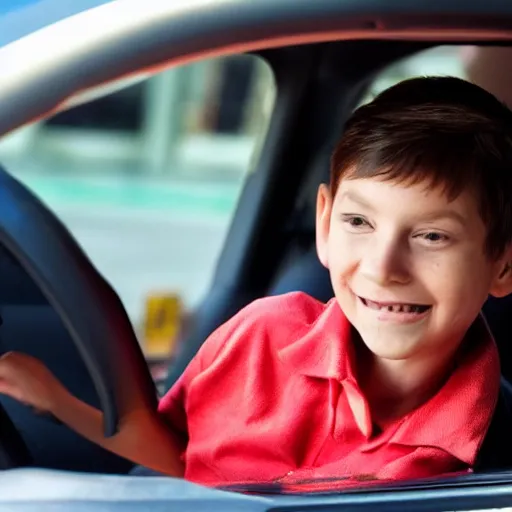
(442, 130)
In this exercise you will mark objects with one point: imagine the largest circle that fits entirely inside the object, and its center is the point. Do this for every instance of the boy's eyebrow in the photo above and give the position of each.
(443, 214)
(355, 198)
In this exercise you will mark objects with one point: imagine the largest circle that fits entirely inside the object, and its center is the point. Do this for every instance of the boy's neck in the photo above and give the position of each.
(394, 388)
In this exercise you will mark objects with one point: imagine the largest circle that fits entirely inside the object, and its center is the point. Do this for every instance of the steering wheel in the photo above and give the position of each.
(89, 309)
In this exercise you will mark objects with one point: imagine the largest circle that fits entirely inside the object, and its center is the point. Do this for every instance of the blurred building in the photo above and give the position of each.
(203, 117)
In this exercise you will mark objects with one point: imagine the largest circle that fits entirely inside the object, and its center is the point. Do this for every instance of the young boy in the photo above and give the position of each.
(397, 376)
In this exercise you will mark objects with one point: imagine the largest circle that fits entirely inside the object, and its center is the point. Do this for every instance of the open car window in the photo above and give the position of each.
(147, 178)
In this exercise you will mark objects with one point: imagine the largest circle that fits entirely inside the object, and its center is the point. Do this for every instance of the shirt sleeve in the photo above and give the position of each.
(227, 338)
(172, 407)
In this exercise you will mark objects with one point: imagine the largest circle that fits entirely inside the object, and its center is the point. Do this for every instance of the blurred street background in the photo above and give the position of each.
(147, 174)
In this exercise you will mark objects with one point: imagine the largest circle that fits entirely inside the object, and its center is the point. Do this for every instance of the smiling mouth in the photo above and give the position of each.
(395, 307)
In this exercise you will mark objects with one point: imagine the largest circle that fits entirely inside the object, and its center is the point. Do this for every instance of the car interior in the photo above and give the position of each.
(269, 249)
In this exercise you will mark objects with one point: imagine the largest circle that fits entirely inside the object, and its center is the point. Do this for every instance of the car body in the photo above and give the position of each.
(324, 54)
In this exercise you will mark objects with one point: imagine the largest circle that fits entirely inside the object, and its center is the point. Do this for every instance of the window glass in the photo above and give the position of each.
(147, 177)
(441, 60)
(486, 66)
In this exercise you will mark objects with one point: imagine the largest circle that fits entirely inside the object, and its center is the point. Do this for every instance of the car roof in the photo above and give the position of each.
(52, 49)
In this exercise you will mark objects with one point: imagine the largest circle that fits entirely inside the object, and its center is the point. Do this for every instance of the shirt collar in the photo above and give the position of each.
(321, 350)
(458, 415)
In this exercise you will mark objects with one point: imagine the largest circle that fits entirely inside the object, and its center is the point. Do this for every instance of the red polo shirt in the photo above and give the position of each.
(271, 397)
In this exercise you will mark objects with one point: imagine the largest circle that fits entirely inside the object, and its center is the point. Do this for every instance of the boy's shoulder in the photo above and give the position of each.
(267, 323)
(291, 308)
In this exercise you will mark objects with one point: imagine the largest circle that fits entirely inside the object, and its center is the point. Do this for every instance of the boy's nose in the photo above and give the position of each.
(386, 262)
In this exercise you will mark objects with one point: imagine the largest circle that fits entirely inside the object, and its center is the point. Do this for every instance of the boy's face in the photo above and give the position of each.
(408, 266)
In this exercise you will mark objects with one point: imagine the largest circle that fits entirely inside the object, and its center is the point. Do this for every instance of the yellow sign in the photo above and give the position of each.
(161, 324)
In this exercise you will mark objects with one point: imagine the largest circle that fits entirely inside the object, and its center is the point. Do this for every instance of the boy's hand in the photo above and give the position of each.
(27, 380)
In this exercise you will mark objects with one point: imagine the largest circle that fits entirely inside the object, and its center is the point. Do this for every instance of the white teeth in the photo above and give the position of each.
(398, 308)
(393, 308)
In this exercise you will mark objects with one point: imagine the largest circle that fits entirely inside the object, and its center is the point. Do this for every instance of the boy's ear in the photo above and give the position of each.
(323, 222)
(502, 283)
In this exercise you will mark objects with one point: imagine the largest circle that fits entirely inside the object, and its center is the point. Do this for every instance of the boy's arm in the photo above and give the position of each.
(142, 436)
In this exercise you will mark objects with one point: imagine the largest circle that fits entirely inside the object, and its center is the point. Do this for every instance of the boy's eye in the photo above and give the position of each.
(355, 221)
(434, 237)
